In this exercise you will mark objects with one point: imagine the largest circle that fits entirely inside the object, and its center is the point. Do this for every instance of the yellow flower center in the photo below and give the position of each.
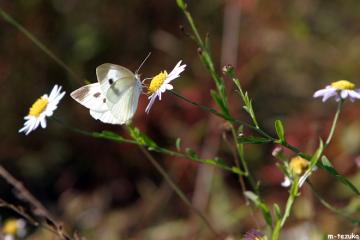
(343, 85)
(38, 107)
(157, 81)
(298, 165)
(10, 227)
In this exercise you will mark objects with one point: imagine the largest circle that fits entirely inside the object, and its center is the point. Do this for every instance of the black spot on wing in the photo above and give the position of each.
(104, 100)
(111, 81)
(97, 94)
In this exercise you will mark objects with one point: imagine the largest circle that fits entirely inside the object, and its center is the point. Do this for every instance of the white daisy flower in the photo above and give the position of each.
(161, 82)
(14, 228)
(341, 89)
(42, 108)
(300, 167)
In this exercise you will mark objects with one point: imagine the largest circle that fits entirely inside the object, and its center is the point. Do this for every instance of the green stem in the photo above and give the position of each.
(243, 162)
(37, 42)
(225, 117)
(290, 202)
(276, 232)
(205, 108)
(119, 139)
(208, 62)
(178, 191)
(335, 120)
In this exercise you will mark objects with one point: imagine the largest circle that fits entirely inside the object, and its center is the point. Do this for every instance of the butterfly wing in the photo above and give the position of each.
(105, 117)
(91, 97)
(127, 100)
(108, 74)
(122, 89)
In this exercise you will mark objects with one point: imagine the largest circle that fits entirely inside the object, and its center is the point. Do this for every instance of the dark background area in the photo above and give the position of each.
(283, 51)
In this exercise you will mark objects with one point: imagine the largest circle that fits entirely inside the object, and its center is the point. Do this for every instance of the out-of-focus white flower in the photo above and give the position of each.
(300, 167)
(341, 89)
(161, 82)
(42, 108)
(13, 228)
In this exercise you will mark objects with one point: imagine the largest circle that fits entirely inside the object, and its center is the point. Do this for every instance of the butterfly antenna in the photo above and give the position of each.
(137, 71)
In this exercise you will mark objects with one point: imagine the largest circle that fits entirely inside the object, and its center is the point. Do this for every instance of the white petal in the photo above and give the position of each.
(168, 86)
(53, 92)
(43, 123)
(344, 94)
(175, 73)
(23, 129)
(328, 95)
(323, 91)
(286, 182)
(354, 94)
(32, 127)
(152, 100)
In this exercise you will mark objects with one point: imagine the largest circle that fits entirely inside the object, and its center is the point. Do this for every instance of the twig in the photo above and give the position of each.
(178, 191)
(38, 209)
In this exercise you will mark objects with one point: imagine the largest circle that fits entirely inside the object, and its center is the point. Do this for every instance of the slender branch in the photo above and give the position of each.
(117, 138)
(178, 191)
(39, 209)
(37, 42)
(205, 108)
(334, 123)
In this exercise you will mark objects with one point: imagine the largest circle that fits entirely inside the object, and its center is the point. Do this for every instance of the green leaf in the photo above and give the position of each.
(253, 140)
(109, 135)
(277, 211)
(325, 161)
(280, 130)
(191, 154)
(258, 203)
(178, 144)
(181, 4)
(219, 101)
(315, 158)
(332, 171)
(142, 139)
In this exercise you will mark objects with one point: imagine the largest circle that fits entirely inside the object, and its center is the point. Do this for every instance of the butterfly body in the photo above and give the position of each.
(114, 98)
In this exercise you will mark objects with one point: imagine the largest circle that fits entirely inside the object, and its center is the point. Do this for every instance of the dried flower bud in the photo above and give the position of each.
(227, 69)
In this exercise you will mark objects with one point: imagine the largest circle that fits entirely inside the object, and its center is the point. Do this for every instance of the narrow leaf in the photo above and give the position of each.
(258, 203)
(178, 144)
(253, 140)
(280, 130)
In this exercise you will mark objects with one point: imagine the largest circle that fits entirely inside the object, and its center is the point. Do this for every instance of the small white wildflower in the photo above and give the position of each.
(42, 108)
(161, 82)
(341, 89)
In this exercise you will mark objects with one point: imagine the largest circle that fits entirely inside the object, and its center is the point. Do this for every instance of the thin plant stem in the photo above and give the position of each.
(37, 42)
(155, 164)
(290, 202)
(119, 139)
(243, 162)
(178, 191)
(334, 123)
(228, 118)
(205, 108)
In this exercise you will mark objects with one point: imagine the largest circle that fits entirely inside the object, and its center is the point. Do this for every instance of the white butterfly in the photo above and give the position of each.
(114, 98)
